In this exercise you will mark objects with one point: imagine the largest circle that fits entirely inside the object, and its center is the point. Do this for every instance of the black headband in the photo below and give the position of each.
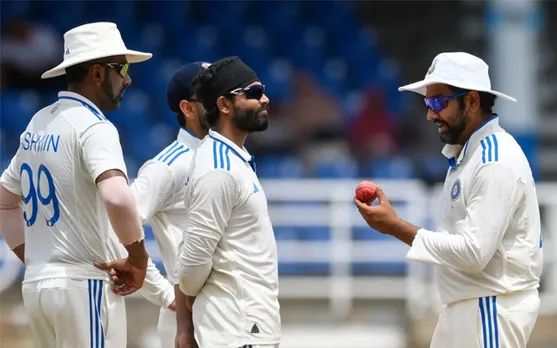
(226, 79)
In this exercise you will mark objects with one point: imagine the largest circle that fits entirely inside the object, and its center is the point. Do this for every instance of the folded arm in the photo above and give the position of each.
(493, 199)
(212, 199)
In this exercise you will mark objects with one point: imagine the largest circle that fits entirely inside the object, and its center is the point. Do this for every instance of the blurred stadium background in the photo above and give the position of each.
(332, 69)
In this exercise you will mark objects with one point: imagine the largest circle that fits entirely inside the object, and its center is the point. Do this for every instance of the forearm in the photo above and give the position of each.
(137, 254)
(403, 231)
(183, 312)
(495, 194)
(211, 205)
(11, 226)
(156, 289)
(458, 251)
(122, 212)
(195, 260)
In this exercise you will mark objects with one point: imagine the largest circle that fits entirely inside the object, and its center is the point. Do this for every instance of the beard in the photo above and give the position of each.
(114, 98)
(201, 119)
(454, 132)
(251, 120)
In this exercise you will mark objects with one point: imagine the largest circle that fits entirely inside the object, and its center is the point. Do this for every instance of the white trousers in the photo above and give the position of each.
(167, 327)
(488, 322)
(75, 313)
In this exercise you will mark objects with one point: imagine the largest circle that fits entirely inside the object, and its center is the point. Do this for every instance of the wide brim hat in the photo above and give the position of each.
(458, 69)
(94, 41)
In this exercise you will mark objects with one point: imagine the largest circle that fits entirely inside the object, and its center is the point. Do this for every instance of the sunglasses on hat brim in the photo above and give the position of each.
(440, 103)
(251, 92)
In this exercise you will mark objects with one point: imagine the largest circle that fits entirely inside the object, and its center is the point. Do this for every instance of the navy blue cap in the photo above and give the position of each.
(179, 87)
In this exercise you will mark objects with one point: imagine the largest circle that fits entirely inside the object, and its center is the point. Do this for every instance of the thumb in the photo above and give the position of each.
(103, 266)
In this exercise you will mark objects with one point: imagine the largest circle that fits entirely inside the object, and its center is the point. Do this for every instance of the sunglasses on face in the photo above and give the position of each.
(252, 92)
(439, 103)
(121, 68)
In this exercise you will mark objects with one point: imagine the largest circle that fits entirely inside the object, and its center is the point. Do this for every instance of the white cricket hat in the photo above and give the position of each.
(92, 41)
(458, 69)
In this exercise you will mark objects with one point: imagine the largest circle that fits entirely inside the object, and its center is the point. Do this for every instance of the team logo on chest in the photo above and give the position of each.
(455, 190)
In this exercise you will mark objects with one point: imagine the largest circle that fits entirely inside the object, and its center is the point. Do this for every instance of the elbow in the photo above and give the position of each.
(187, 290)
(187, 285)
(191, 278)
(476, 261)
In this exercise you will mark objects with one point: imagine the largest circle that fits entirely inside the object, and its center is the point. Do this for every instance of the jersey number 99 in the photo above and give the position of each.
(35, 195)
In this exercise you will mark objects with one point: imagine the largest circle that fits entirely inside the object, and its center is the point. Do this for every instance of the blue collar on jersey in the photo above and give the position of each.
(453, 161)
(190, 133)
(250, 159)
(188, 138)
(85, 103)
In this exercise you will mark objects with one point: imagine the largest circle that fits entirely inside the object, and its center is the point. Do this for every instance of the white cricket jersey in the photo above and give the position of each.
(489, 240)
(159, 191)
(156, 289)
(65, 147)
(228, 258)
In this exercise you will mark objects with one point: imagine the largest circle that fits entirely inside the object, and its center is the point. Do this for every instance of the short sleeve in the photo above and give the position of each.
(101, 149)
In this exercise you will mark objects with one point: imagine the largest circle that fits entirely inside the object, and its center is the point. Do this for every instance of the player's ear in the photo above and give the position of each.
(97, 74)
(224, 104)
(473, 100)
(187, 109)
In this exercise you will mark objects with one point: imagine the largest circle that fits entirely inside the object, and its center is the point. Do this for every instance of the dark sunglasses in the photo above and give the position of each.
(439, 103)
(121, 68)
(252, 92)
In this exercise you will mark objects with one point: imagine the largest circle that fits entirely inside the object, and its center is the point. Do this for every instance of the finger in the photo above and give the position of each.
(363, 207)
(104, 266)
(127, 290)
(381, 196)
(359, 205)
(119, 291)
(122, 292)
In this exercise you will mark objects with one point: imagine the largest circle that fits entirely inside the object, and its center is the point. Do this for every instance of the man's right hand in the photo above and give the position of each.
(127, 277)
(128, 273)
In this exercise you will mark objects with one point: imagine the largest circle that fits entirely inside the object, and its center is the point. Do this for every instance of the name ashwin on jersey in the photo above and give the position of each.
(40, 142)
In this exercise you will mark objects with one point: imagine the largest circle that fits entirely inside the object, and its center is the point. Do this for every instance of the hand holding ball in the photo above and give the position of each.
(366, 191)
